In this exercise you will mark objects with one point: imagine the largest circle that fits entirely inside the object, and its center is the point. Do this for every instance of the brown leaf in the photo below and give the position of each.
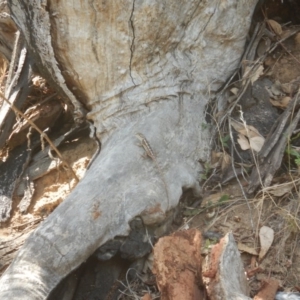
(246, 130)
(244, 248)
(297, 39)
(252, 73)
(276, 27)
(281, 189)
(226, 161)
(281, 103)
(215, 157)
(255, 75)
(290, 88)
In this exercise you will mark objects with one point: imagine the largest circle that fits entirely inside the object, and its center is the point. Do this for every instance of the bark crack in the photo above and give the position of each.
(191, 18)
(189, 21)
(132, 42)
(208, 21)
(47, 55)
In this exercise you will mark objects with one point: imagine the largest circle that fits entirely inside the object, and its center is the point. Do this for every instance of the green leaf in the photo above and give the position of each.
(191, 212)
(204, 126)
(297, 161)
(293, 152)
(203, 176)
(223, 198)
(224, 140)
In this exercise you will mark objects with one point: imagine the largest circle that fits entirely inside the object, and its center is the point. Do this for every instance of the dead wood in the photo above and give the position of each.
(144, 68)
(270, 157)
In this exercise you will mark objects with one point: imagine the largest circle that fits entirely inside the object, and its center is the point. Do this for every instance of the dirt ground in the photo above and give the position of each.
(226, 206)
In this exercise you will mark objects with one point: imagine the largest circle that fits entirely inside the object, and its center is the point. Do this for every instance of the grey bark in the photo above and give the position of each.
(230, 281)
(138, 66)
(8, 30)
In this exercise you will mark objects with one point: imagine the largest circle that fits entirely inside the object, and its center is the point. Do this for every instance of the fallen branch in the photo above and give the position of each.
(42, 134)
(271, 156)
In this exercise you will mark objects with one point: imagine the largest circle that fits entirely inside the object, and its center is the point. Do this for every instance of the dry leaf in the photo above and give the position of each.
(248, 137)
(237, 125)
(266, 237)
(243, 142)
(244, 248)
(281, 189)
(252, 131)
(247, 70)
(246, 130)
(288, 88)
(215, 158)
(276, 89)
(255, 75)
(297, 39)
(276, 27)
(243, 129)
(291, 87)
(234, 91)
(281, 103)
(226, 161)
(269, 61)
(38, 81)
(256, 143)
(220, 159)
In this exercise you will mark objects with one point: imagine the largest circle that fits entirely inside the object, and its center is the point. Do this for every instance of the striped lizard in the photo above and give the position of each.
(149, 152)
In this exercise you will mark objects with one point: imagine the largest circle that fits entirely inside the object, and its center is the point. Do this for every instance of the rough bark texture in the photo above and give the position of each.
(7, 31)
(177, 265)
(229, 280)
(139, 66)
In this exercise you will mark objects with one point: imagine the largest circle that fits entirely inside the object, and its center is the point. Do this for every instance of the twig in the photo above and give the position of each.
(43, 134)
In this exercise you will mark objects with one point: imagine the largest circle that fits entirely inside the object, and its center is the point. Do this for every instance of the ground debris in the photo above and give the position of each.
(268, 290)
(177, 265)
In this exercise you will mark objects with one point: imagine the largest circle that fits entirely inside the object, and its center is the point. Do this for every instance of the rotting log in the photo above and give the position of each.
(136, 67)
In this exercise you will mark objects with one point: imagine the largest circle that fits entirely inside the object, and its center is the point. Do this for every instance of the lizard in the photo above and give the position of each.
(149, 152)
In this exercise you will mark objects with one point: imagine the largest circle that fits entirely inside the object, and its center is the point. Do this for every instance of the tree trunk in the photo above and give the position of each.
(128, 67)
